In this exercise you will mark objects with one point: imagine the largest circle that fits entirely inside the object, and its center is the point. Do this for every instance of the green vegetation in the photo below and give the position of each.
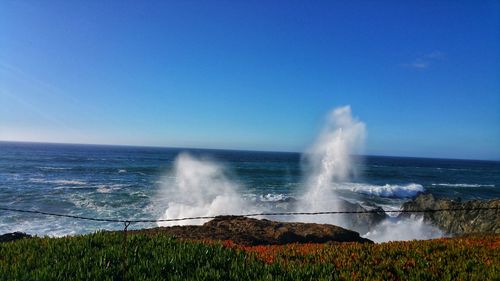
(103, 256)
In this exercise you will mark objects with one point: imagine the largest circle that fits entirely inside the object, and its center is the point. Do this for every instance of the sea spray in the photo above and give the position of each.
(200, 187)
(329, 160)
(396, 229)
(329, 166)
(329, 157)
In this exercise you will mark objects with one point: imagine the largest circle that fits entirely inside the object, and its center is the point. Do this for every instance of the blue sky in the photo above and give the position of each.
(423, 76)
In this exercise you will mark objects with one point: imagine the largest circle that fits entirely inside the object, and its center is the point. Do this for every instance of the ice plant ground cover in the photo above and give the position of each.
(104, 256)
(446, 258)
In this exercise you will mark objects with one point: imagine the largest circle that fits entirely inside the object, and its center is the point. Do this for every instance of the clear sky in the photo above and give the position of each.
(261, 75)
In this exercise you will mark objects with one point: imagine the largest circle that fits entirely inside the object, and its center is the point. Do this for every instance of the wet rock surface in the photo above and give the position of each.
(7, 237)
(250, 231)
(362, 222)
(457, 222)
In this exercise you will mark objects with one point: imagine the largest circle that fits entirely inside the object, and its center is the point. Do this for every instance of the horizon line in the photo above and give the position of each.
(232, 149)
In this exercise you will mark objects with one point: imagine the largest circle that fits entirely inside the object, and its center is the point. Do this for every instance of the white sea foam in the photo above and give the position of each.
(273, 197)
(387, 190)
(84, 202)
(54, 168)
(69, 182)
(38, 180)
(104, 189)
(54, 227)
(139, 194)
(463, 185)
(122, 171)
(395, 229)
(58, 182)
(109, 188)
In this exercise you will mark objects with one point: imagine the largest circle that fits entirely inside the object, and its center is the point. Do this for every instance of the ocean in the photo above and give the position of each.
(125, 182)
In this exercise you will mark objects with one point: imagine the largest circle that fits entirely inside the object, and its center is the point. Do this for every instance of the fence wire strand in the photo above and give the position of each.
(127, 222)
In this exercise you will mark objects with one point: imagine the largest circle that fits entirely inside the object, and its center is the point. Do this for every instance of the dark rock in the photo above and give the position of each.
(249, 231)
(457, 222)
(362, 222)
(13, 236)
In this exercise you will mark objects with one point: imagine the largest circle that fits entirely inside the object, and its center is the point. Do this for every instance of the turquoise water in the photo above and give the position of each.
(133, 182)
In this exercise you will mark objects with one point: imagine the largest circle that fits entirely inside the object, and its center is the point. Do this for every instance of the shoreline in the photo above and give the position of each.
(237, 228)
(454, 224)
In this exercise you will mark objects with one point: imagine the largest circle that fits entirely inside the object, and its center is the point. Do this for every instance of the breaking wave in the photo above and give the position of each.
(109, 188)
(54, 168)
(58, 182)
(387, 190)
(463, 185)
(272, 197)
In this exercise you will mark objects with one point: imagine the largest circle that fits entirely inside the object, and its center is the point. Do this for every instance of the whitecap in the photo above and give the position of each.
(109, 188)
(69, 182)
(58, 182)
(463, 185)
(387, 190)
(273, 197)
(104, 189)
(54, 168)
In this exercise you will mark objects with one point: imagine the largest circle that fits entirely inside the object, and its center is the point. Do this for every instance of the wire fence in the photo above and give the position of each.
(129, 221)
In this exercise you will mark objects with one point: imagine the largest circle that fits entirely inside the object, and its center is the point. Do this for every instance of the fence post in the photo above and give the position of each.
(125, 249)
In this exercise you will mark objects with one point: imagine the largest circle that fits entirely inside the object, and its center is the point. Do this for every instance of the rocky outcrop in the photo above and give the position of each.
(13, 236)
(457, 222)
(362, 222)
(249, 231)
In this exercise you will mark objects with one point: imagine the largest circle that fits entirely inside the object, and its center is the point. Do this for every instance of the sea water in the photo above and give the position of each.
(123, 182)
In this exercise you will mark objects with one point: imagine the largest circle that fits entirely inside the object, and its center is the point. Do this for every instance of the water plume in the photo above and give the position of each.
(329, 167)
(330, 155)
(200, 187)
(329, 161)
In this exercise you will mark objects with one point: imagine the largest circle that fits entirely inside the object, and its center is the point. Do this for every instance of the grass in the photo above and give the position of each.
(104, 256)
